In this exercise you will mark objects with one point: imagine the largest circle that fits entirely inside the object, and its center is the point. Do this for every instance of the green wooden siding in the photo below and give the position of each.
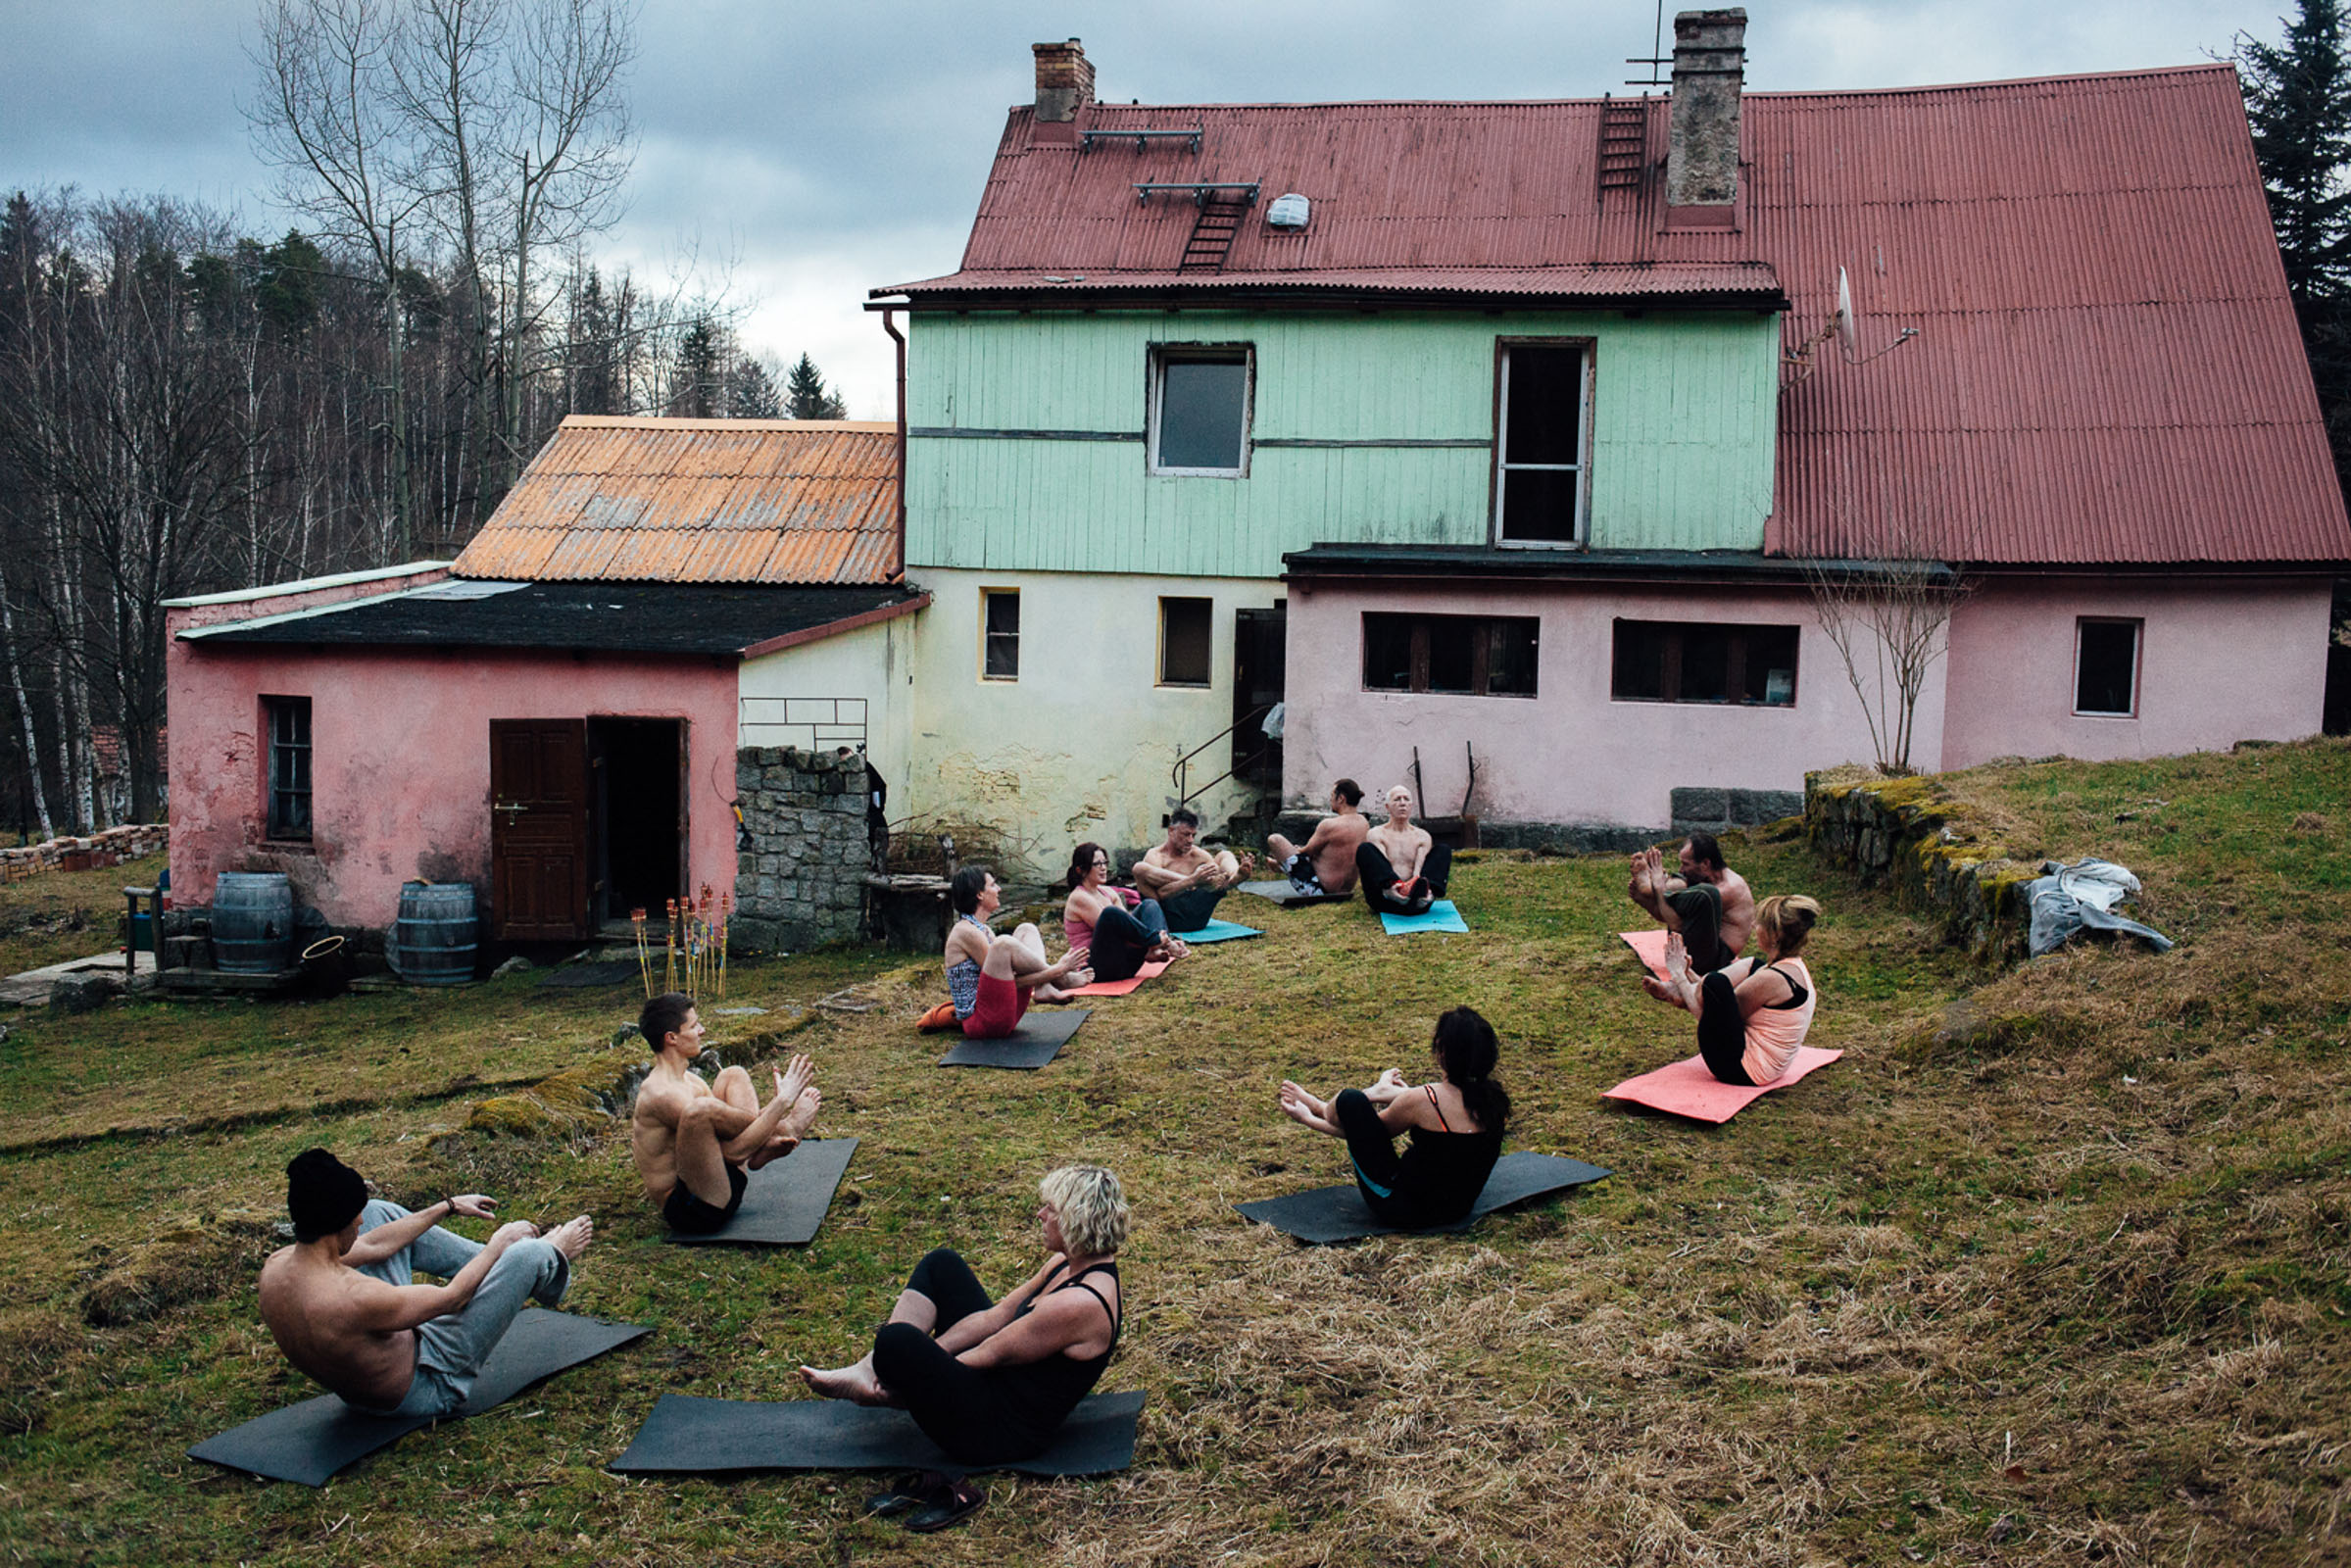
(1680, 451)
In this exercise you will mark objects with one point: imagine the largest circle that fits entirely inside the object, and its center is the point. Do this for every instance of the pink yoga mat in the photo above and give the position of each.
(1650, 947)
(1119, 988)
(1687, 1089)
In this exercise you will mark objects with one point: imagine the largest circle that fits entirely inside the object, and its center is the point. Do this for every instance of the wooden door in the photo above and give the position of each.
(539, 829)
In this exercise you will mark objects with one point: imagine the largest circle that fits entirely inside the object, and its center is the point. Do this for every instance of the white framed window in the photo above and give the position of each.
(1187, 640)
(1200, 397)
(2106, 666)
(1541, 441)
(1000, 634)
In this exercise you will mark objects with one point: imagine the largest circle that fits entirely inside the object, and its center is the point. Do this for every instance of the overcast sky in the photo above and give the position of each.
(811, 151)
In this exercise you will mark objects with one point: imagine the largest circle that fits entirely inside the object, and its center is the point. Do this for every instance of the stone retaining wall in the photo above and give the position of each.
(1716, 811)
(800, 879)
(1930, 847)
(99, 850)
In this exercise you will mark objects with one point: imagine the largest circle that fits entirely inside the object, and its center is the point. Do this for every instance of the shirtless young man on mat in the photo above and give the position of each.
(695, 1144)
(1326, 861)
(1709, 904)
(1404, 869)
(1185, 878)
(342, 1304)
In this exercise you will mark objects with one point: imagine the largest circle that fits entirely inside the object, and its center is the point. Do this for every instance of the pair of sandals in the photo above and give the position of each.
(928, 1500)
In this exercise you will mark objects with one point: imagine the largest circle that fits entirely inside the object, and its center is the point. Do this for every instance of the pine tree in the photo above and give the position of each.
(695, 382)
(805, 396)
(2298, 98)
(751, 391)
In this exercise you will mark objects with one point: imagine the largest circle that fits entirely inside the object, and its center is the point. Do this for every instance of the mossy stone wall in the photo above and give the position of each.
(1930, 847)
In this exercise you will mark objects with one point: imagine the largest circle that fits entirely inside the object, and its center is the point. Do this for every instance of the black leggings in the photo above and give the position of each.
(1120, 938)
(1723, 1030)
(1372, 1148)
(1378, 879)
(960, 1408)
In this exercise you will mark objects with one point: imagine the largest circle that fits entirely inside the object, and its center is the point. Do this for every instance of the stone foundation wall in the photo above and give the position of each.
(1716, 810)
(800, 880)
(1938, 859)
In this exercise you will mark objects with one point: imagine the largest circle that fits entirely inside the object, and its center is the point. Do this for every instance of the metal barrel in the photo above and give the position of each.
(253, 922)
(435, 939)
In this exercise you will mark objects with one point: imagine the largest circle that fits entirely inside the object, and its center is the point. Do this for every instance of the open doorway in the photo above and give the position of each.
(639, 829)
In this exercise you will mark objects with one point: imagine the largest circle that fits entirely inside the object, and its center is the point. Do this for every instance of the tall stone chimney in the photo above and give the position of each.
(1065, 80)
(1702, 156)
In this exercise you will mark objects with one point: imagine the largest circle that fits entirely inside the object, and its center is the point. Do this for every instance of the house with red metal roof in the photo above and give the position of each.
(1525, 434)
(555, 717)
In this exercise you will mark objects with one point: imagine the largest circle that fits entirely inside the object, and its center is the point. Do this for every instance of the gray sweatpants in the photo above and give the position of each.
(451, 1347)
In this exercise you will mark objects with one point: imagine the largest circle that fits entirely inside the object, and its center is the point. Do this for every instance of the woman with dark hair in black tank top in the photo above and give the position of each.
(992, 1382)
(1457, 1125)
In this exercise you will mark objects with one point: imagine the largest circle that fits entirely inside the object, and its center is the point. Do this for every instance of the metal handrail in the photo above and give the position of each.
(1199, 189)
(1087, 139)
(1179, 775)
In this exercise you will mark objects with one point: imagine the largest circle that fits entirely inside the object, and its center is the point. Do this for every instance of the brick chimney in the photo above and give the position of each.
(1701, 157)
(1065, 80)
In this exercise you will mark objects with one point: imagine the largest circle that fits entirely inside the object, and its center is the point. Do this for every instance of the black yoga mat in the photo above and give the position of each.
(1337, 1214)
(1285, 894)
(1037, 1040)
(786, 1199)
(686, 1436)
(608, 973)
(307, 1443)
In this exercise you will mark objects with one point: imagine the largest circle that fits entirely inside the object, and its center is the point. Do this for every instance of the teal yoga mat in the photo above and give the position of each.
(1441, 917)
(1218, 931)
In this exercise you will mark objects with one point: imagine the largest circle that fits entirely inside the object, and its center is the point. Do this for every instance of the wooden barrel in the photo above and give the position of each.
(433, 940)
(253, 922)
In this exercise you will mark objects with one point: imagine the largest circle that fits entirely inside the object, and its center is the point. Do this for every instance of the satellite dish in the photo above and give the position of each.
(1845, 335)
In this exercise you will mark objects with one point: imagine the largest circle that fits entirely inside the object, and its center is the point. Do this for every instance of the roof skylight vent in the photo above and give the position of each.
(1290, 210)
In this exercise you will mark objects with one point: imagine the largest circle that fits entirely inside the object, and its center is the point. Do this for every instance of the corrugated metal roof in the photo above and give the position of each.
(2108, 368)
(1750, 284)
(710, 500)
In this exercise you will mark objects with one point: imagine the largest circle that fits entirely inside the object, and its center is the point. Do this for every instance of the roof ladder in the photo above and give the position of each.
(1213, 231)
(1624, 132)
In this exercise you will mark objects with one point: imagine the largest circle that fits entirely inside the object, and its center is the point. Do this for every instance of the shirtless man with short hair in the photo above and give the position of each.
(1404, 869)
(1326, 861)
(695, 1144)
(1186, 878)
(1709, 904)
(342, 1304)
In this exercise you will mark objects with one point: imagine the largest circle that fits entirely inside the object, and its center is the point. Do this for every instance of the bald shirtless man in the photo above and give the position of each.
(695, 1144)
(1185, 878)
(342, 1304)
(1404, 869)
(1709, 904)
(1326, 861)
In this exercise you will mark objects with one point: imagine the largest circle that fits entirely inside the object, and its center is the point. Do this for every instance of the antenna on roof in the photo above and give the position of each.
(1797, 363)
(1655, 61)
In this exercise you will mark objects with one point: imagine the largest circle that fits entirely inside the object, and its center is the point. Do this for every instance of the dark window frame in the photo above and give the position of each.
(1497, 521)
(288, 805)
(2138, 662)
(1422, 626)
(1739, 635)
(1207, 606)
(990, 643)
(1160, 356)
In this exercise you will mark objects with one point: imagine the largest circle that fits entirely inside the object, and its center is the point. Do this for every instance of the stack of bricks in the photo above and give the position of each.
(800, 881)
(109, 847)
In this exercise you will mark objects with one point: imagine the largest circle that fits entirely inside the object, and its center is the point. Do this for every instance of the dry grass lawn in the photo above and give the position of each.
(2061, 1281)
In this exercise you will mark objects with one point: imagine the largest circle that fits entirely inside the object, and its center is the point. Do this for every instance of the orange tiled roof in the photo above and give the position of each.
(651, 500)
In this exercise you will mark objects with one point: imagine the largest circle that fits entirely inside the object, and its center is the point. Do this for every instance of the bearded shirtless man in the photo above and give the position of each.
(1709, 904)
(1185, 878)
(342, 1304)
(1326, 861)
(695, 1144)
(1404, 869)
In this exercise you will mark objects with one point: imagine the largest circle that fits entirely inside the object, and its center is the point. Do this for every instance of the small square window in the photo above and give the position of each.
(1000, 634)
(289, 766)
(1199, 410)
(1186, 625)
(2106, 669)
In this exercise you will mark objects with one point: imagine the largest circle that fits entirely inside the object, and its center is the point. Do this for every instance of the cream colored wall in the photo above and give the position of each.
(1083, 744)
(874, 663)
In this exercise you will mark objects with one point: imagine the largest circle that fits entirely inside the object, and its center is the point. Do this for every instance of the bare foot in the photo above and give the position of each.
(571, 1237)
(1657, 988)
(856, 1383)
(773, 1149)
(803, 1112)
(1244, 862)
(1640, 886)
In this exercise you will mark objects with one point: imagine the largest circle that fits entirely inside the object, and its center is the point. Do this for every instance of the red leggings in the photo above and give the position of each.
(998, 1010)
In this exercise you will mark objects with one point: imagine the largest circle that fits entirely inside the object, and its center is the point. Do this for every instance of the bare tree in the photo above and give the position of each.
(1890, 621)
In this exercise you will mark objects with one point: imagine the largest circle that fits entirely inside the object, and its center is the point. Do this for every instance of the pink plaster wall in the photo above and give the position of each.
(1570, 754)
(2221, 661)
(401, 759)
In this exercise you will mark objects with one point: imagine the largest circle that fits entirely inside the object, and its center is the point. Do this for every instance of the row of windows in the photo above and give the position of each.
(1203, 396)
(1494, 656)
